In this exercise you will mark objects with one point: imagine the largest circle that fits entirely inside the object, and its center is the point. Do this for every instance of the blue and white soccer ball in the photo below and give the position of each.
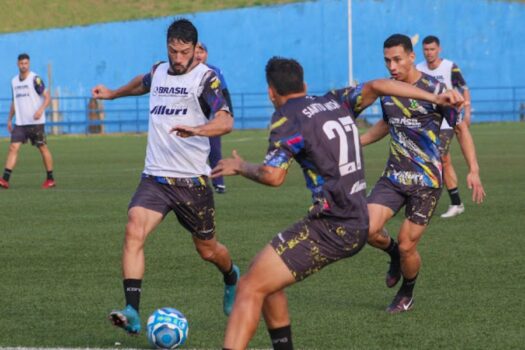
(167, 328)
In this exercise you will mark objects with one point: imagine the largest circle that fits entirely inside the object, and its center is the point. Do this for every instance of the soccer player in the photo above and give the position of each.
(448, 73)
(201, 55)
(183, 96)
(412, 177)
(321, 135)
(30, 100)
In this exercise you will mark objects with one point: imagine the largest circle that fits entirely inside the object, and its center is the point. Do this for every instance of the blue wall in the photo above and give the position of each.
(483, 37)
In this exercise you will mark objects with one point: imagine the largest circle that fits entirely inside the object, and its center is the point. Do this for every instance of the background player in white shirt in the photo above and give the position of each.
(448, 73)
(30, 100)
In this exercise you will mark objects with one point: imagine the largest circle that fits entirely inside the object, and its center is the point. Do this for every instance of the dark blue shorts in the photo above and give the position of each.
(191, 201)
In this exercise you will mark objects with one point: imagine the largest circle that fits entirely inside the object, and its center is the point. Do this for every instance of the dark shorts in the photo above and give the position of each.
(419, 201)
(445, 137)
(311, 244)
(191, 202)
(35, 133)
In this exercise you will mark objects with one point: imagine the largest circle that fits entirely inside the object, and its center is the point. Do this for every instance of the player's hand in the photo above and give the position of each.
(101, 92)
(185, 131)
(38, 114)
(450, 98)
(474, 184)
(228, 166)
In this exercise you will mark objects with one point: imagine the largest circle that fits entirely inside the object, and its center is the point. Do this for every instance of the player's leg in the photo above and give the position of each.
(193, 204)
(451, 182)
(146, 210)
(214, 157)
(48, 165)
(449, 174)
(10, 163)
(18, 136)
(277, 318)
(216, 253)
(419, 209)
(408, 238)
(267, 275)
(383, 202)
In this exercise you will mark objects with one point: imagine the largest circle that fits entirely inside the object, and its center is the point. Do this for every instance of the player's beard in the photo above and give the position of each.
(180, 69)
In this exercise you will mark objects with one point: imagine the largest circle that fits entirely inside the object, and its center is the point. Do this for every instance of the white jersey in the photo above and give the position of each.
(27, 100)
(174, 99)
(443, 73)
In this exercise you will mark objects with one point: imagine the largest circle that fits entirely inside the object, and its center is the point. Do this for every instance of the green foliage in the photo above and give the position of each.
(24, 15)
(60, 260)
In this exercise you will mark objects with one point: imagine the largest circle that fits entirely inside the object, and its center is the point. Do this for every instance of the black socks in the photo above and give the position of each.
(454, 196)
(230, 277)
(50, 175)
(393, 250)
(7, 174)
(132, 289)
(281, 338)
(407, 288)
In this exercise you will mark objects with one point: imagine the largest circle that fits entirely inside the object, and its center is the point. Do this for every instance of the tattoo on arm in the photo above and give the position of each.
(255, 172)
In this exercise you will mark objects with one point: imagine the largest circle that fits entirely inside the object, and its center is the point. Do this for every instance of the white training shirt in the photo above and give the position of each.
(443, 73)
(27, 100)
(174, 100)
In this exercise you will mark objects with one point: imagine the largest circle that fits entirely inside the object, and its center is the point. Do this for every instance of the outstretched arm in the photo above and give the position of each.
(375, 133)
(133, 88)
(387, 87)
(469, 152)
(263, 174)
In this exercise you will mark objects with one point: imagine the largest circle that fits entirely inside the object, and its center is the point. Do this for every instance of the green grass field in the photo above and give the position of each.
(24, 15)
(60, 255)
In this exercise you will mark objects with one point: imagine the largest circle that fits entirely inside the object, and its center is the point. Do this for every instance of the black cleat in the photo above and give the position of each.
(400, 304)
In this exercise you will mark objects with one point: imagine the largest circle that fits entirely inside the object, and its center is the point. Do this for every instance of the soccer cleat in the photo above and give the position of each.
(453, 210)
(229, 293)
(400, 304)
(127, 319)
(4, 184)
(48, 184)
(393, 275)
(220, 188)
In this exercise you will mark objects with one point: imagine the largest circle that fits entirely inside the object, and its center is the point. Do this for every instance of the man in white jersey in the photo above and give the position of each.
(448, 73)
(183, 95)
(30, 100)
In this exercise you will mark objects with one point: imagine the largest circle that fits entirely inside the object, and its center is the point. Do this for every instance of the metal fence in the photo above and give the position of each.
(83, 115)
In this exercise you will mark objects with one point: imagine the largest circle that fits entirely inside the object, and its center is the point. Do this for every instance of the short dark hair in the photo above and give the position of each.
(431, 39)
(399, 40)
(183, 30)
(23, 56)
(285, 75)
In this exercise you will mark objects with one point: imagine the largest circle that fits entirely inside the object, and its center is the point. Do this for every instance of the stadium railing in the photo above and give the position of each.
(81, 115)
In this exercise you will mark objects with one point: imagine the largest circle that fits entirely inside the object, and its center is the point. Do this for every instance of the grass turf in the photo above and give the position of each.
(21, 15)
(60, 260)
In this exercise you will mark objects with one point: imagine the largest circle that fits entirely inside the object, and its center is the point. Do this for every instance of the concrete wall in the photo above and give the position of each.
(483, 37)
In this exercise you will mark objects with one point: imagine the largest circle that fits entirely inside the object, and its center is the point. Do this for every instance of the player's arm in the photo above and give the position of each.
(469, 152)
(221, 124)
(459, 83)
(41, 90)
(213, 99)
(134, 88)
(375, 133)
(467, 106)
(261, 173)
(387, 87)
(10, 116)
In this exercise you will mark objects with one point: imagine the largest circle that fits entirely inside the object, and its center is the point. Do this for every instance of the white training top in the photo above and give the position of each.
(27, 100)
(443, 73)
(174, 99)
